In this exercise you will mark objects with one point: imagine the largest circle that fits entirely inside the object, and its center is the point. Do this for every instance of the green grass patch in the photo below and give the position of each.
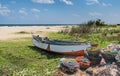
(98, 38)
(21, 58)
(59, 36)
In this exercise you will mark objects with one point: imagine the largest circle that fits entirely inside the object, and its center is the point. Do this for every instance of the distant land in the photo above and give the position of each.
(11, 25)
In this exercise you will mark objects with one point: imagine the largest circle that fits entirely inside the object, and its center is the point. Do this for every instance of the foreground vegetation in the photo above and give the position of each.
(20, 57)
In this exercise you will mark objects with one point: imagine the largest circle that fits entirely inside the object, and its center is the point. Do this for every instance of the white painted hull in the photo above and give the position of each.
(63, 49)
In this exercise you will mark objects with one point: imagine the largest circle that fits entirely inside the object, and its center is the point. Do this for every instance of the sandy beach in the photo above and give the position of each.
(10, 32)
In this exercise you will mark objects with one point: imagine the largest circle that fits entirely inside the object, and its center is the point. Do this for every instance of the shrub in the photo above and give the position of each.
(22, 32)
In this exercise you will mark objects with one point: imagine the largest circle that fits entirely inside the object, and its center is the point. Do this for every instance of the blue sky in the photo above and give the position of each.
(58, 11)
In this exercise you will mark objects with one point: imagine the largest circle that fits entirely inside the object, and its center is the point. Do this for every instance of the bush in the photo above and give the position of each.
(81, 29)
(22, 32)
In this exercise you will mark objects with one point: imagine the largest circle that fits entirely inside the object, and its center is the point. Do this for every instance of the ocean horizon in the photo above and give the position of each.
(19, 25)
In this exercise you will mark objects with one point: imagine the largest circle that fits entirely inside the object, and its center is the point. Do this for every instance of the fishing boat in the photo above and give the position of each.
(61, 47)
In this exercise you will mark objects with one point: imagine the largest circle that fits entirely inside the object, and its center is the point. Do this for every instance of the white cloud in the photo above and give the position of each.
(44, 1)
(104, 4)
(35, 10)
(68, 2)
(76, 15)
(95, 14)
(4, 10)
(22, 11)
(91, 2)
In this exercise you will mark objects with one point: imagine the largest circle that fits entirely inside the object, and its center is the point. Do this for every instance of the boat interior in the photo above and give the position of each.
(57, 42)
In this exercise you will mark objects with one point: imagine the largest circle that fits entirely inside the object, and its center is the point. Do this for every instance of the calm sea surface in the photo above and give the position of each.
(19, 25)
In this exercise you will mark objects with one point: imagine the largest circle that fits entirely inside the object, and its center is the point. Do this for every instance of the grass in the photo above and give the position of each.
(101, 40)
(21, 58)
(22, 32)
(60, 36)
(98, 38)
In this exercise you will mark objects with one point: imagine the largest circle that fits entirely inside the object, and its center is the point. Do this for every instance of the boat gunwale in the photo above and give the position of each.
(79, 43)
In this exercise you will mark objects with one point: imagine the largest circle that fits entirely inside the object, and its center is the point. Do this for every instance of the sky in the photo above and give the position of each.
(58, 11)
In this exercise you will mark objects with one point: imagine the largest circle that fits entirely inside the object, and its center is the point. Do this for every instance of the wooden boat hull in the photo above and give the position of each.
(75, 50)
(76, 53)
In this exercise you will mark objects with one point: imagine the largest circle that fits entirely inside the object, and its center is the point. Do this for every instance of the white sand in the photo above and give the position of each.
(9, 32)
